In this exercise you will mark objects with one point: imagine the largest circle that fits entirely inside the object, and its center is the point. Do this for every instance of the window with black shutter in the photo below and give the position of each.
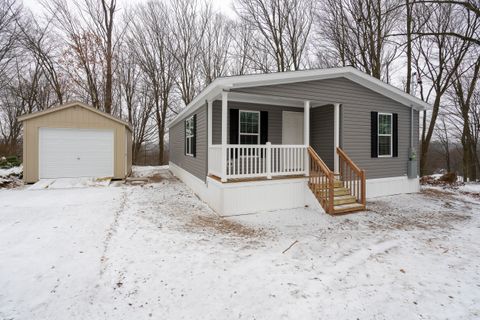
(249, 127)
(385, 135)
(190, 136)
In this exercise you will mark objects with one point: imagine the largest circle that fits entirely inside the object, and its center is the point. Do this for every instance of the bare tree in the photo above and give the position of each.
(9, 15)
(282, 29)
(241, 49)
(360, 31)
(188, 25)
(89, 30)
(437, 61)
(215, 48)
(465, 86)
(443, 136)
(151, 37)
(39, 41)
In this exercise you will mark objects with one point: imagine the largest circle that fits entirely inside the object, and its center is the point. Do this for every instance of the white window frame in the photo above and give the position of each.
(189, 137)
(240, 126)
(385, 135)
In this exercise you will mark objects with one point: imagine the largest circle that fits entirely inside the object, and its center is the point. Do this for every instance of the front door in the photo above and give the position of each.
(292, 127)
(292, 133)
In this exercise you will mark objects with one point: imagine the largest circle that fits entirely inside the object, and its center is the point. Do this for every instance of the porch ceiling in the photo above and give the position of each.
(270, 100)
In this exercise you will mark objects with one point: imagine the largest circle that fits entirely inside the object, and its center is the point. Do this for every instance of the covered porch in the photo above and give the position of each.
(261, 137)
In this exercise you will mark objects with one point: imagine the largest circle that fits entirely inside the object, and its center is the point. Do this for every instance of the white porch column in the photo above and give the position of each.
(224, 135)
(209, 133)
(336, 136)
(209, 122)
(306, 133)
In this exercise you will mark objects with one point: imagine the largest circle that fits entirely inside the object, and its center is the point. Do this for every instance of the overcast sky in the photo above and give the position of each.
(224, 6)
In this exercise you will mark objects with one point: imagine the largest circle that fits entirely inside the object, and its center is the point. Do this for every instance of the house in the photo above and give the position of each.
(328, 137)
(75, 140)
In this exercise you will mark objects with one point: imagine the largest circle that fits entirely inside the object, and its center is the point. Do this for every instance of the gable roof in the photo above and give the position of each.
(70, 105)
(255, 80)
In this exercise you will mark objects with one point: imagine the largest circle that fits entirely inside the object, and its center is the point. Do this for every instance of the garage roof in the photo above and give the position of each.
(69, 105)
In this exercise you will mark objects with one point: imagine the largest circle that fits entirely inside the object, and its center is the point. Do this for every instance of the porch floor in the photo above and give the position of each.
(235, 180)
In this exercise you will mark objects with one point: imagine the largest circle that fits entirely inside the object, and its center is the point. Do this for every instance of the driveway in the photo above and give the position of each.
(156, 251)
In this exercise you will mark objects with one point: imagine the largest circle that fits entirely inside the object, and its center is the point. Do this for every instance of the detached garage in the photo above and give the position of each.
(75, 140)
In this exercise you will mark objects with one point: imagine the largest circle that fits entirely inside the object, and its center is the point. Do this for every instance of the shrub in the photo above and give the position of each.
(9, 162)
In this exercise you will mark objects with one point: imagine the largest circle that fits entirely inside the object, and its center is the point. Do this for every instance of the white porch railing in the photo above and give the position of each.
(251, 161)
(215, 160)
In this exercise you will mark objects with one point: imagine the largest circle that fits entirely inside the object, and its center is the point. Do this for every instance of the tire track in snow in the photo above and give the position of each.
(112, 230)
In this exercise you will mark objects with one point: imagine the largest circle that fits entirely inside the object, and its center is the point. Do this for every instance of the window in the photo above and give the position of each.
(190, 136)
(385, 134)
(249, 128)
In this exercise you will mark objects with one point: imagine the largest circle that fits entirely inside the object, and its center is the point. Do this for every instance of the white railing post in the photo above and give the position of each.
(336, 136)
(209, 134)
(269, 160)
(306, 137)
(224, 135)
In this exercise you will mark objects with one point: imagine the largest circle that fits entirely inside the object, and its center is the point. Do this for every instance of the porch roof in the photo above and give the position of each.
(214, 89)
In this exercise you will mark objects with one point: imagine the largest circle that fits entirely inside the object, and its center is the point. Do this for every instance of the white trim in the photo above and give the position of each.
(223, 176)
(240, 124)
(209, 125)
(336, 136)
(245, 81)
(385, 135)
(306, 134)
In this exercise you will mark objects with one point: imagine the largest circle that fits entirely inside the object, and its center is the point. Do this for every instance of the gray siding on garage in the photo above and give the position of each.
(321, 133)
(357, 103)
(274, 119)
(195, 165)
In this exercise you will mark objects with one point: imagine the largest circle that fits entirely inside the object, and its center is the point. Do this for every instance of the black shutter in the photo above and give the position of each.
(234, 126)
(395, 134)
(374, 134)
(194, 138)
(263, 127)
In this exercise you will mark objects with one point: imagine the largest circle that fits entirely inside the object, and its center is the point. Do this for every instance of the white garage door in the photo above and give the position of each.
(67, 153)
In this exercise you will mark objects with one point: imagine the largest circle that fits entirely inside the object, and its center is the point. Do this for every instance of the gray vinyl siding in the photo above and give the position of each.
(321, 133)
(357, 103)
(195, 165)
(274, 119)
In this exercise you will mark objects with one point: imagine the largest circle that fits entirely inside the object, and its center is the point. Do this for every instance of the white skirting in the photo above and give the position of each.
(249, 197)
(391, 186)
(229, 199)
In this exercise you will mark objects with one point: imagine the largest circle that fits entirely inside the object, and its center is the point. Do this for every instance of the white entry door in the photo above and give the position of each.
(69, 153)
(292, 133)
(292, 127)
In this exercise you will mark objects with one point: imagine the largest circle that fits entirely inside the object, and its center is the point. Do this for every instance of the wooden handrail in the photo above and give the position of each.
(352, 176)
(321, 181)
(343, 155)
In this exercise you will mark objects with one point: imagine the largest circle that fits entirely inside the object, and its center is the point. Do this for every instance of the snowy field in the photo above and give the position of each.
(157, 252)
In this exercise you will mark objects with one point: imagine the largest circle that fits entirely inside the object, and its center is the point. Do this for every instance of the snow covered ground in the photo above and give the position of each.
(156, 251)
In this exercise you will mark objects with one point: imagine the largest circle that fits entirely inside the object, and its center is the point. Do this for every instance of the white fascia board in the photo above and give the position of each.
(209, 93)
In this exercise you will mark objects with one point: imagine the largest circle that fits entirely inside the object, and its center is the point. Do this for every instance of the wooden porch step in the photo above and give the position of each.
(336, 184)
(344, 208)
(347, 199)
(340, 191)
